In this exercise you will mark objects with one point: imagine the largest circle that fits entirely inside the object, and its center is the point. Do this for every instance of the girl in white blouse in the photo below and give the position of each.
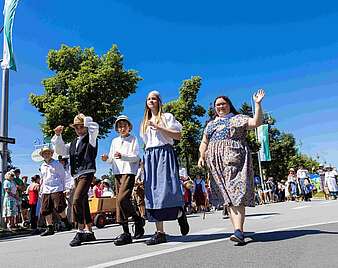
(163, 195)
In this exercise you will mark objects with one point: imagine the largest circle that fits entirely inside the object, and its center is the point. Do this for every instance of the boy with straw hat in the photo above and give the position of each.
(52, 188)
(82, 153)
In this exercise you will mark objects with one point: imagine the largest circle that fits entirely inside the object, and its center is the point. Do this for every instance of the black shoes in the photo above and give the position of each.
(89, 237)
(139, 230)
(48, 231)
(184, 225)
(123, 239)
(157, 238)
(82, 237)
(77, 240)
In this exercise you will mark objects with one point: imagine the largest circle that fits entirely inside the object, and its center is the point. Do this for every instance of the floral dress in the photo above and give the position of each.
(10, 206)
(229, 159)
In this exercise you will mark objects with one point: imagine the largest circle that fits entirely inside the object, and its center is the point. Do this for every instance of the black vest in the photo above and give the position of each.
(82, 158)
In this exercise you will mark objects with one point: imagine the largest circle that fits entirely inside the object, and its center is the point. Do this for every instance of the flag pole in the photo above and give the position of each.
(4, 128)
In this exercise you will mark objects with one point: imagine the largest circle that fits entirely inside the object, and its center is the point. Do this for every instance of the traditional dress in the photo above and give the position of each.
(163, 194)
(10, 206)
(229, 159)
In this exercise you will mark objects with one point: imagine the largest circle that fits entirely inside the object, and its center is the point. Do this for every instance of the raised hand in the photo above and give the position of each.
(258, 96)
(104, 157)
(58, 130)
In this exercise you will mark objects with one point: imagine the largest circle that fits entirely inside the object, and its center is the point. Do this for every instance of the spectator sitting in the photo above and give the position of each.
(97, 189)
(106, 189)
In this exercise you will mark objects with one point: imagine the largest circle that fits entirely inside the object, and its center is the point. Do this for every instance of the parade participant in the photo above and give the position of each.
(33, 196)
(52, 188)
(188, 186)
(138, 191)
(331, 181)
(10, 207)
(302, 174)
(123, 156)
(292, 185)
(225, 151)
(69, 185)
(163, 194)
(200, 192)
(82, 153)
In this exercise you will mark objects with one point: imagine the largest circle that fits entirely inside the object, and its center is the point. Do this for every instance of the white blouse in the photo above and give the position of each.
(154, 138)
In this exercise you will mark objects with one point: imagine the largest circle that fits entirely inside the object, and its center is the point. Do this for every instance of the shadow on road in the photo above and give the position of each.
(262, 214)
(282, 235)
(198, 238)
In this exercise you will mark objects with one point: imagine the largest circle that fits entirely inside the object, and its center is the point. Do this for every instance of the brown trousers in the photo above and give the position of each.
(81, 213)
(124, 189)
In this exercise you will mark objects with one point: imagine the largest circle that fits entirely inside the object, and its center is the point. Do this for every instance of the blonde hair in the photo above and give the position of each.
(9, 174)
(147, 113)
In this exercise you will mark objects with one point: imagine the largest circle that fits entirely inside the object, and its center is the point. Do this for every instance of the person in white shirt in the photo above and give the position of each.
(52, 188)
(302, 174)
(123, 156)
(163, 192)
(82, 153)
(331, 181)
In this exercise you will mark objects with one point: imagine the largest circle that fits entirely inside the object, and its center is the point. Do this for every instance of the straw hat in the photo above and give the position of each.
(9, 174)
(46, 149)
(188, 184)
(125, 118)
(78, 120)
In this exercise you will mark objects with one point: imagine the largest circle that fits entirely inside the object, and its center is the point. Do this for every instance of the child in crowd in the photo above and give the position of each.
(124, 158)
(52, 188)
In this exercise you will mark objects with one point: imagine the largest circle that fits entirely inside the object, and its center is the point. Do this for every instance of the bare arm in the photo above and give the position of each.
(202, 150)
(257, 120)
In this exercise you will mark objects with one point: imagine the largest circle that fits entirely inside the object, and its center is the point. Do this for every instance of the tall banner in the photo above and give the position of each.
(263, 138)
(8, 61)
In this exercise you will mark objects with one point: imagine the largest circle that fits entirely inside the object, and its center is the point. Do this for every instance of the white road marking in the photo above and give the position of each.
(259, 217)
(301, 207)
(194, 244)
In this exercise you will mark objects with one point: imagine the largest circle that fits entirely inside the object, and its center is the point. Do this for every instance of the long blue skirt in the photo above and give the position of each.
(162, 187)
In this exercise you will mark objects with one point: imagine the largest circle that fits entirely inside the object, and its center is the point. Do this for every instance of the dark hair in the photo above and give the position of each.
(35, 178)
(232, 108)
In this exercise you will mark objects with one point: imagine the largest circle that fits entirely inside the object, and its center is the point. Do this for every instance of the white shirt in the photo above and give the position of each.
(52, 177)
(302, 173)
(61, 148)
(330, 180)
(128, 147)
(154, 138)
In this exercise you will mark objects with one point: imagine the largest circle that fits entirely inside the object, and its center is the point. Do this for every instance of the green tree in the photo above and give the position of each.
(84, 82)
(186, 111)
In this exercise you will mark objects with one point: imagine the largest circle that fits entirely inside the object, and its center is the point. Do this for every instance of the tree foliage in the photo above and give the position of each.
(84, 82)
(186, 111)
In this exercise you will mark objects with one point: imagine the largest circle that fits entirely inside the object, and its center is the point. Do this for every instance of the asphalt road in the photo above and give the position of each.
(278, 235)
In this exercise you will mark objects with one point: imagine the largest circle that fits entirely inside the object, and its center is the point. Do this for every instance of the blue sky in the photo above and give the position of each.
(289, 48)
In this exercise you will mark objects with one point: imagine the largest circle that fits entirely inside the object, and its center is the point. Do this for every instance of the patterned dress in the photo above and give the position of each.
(229, 159)
(10, 206)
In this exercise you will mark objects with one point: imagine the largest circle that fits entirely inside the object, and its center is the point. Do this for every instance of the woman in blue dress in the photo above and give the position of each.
(163, 193)
(226, 153)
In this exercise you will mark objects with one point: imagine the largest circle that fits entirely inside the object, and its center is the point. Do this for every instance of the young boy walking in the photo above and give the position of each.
(82, 153)
(52, 188)
(124, 158)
